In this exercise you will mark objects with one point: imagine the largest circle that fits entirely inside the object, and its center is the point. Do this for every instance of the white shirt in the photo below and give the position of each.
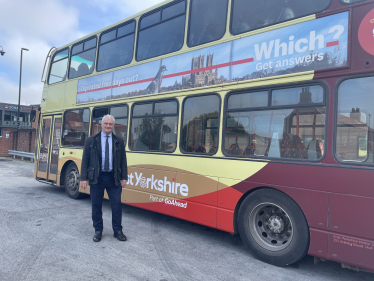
(103, 143)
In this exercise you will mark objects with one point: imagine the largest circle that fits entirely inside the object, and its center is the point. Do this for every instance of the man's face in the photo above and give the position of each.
(107, 125)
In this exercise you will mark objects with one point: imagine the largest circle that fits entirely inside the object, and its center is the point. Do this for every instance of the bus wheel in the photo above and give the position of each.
(72, 182)
(273, 227)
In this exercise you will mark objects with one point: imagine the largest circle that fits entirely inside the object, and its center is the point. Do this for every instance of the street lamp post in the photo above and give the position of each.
(19, 96)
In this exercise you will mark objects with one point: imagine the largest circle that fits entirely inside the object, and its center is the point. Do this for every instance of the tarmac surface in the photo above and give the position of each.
(47, 236)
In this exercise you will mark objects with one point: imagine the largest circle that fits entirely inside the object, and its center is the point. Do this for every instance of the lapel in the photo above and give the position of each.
(114, 145)
(98, 141)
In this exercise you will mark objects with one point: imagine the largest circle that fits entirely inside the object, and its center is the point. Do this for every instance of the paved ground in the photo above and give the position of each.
(47, 236)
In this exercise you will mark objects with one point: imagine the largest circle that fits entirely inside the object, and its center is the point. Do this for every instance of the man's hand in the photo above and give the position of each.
(123, 183)
(83, 184)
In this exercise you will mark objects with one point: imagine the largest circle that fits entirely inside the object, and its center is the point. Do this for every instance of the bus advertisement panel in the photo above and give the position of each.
(315, 45)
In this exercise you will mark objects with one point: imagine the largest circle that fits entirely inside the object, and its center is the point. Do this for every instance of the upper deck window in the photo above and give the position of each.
(355, 121)
(162, 31)
(83, 58)
(116, 46)
(249, 15)
(207, 21)
(350, 2)
(59, 66)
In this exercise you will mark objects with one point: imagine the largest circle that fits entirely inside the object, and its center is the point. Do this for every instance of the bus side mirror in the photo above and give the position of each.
(32, 115)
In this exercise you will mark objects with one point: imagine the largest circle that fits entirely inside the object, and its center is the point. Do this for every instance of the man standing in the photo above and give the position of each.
(104, 166)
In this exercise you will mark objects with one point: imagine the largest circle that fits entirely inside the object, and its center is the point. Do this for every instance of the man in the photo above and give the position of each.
(104, 166)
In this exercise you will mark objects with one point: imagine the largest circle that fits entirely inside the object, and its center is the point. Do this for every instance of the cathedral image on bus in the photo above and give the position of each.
(200, 78)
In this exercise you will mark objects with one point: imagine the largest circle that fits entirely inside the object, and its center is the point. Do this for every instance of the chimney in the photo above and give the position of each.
(355, 114)
(305, 96)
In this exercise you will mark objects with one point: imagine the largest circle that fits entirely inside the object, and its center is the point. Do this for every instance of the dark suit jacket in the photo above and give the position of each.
(91, 160)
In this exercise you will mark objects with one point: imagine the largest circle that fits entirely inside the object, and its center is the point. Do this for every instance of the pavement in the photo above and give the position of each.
(47, 236)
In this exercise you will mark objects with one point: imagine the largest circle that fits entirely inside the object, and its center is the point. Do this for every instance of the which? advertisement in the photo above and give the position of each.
(312, 45)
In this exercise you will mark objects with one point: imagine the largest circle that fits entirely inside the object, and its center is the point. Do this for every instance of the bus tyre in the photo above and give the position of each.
(72, 182)
(273, 227)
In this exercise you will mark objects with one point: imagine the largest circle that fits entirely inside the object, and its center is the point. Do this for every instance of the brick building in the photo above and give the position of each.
(11, 138)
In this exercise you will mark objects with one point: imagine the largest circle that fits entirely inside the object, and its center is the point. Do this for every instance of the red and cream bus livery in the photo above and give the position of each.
(245, 116)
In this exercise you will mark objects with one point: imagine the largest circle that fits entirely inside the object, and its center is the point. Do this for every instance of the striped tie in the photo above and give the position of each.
(106, 163)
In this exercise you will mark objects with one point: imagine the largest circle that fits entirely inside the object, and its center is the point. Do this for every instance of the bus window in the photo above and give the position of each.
(207, 21)
(154, 126)
(82, 58)
(118, 112)
(75, 128)
(150, 20)
(248, 100)
(161, 32)
(59, 66)
(116, 47)
(293, 133)
(200, 124)
(143, 109)
(349, 2)
(249, 15)
(355, 119)
(299, 95)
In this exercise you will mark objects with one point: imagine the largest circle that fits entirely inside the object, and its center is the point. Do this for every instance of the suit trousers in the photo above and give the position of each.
(106, 181)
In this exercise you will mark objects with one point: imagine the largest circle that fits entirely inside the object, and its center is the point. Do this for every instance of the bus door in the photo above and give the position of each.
(49, 147)
(54, 148)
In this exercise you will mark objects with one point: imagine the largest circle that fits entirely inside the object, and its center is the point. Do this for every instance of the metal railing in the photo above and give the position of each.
(22, 154)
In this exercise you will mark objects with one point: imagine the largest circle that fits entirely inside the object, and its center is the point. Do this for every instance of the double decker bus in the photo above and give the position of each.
(251, 117)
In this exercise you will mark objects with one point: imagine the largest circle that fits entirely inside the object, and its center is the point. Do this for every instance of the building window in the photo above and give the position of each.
(24, 117)
(116, 46)
(207, 21)
(355, 120)
(162, 31)
(294, 131)
(82, 58)
(8, 115)
(120, 113)
(154, 126)
(249, 15)
(200, 124)
(76, 126)
(59, 66)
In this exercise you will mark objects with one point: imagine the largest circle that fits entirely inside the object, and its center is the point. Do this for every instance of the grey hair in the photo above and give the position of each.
(110, 117)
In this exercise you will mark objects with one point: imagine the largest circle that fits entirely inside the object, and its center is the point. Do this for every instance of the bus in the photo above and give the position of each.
(252, 117)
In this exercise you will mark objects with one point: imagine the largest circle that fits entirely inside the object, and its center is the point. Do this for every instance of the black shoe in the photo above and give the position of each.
(120, 236)
(97, 236)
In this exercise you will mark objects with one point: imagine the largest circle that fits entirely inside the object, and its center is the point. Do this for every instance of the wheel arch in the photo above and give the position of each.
(237, 207)
(63, 171)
